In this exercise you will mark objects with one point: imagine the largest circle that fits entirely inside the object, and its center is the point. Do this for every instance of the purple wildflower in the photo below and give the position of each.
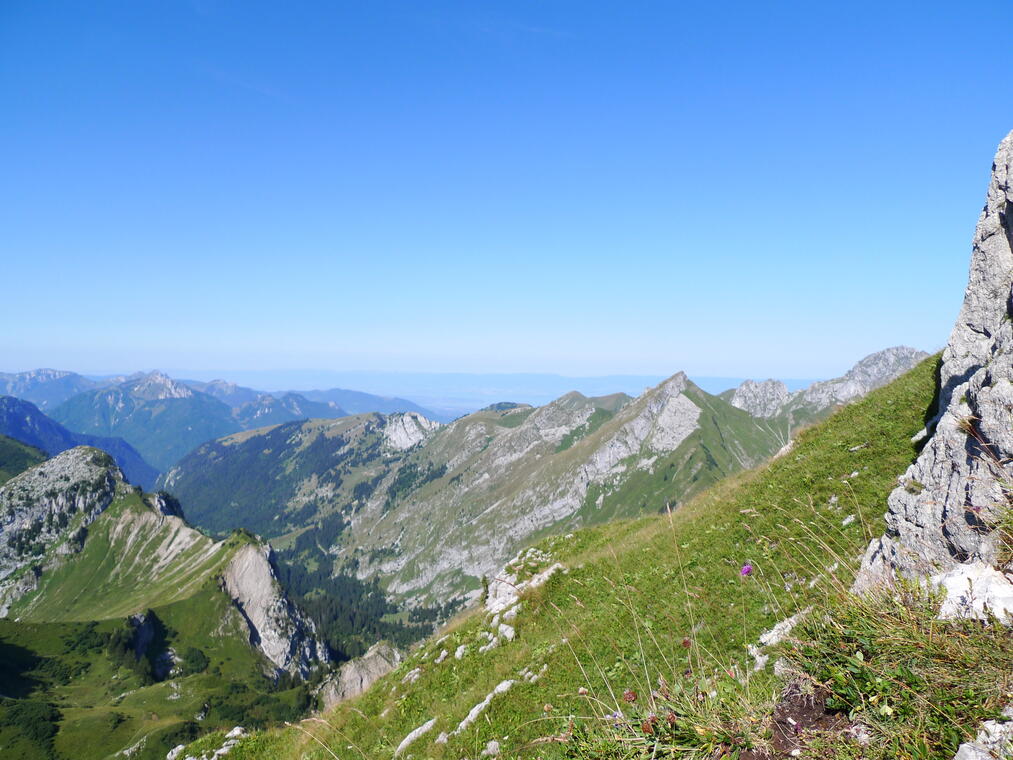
(747, 569)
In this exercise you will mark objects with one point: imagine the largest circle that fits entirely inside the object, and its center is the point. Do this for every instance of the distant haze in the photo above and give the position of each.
(457, 392)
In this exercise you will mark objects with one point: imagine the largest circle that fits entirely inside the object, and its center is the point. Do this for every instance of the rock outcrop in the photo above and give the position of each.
(765, 399)
(949, 502)
(406, 429)
(50, 505)
(357, 675)
(276, 626)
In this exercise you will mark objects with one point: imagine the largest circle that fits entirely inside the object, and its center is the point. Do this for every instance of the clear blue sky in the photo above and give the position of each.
(742, 189)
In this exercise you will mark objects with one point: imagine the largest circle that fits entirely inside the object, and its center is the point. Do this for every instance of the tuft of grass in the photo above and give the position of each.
(921, 686)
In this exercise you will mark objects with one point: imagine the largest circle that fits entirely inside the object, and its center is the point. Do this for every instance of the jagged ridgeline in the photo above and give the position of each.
(608, 607)
(429, 509)
(123, 627)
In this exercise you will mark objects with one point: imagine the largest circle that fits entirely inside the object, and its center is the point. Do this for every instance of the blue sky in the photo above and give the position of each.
(741, 189)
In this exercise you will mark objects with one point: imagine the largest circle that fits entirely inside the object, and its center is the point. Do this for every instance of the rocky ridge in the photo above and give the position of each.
(512, 473)
(771, 398)
(75, 510)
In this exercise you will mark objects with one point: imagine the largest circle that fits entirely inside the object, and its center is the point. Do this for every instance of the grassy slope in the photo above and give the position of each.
(16, 457)
(635, 589)
(121, 571)
(105, 708)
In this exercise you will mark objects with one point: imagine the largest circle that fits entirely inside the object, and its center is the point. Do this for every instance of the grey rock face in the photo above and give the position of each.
(946, 506)
(406, 429)
(355, 676)
(870, 373)
(764, 399)
(279, 629)
(50, 504)
(521, 488)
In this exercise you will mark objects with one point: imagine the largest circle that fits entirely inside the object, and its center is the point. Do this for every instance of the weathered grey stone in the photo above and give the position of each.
(975, 590)
(994, 741)
(51, 505)
(764, 399)
(276, 626)
(944, 511)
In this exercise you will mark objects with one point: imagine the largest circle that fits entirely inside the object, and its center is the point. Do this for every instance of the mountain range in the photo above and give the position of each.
(23, 421)
(428, 510)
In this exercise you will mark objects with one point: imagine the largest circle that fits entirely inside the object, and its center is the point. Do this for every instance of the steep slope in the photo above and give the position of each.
(771, 399)
(427, 510)
(658, 607)
(46, 388)
(82, 553)
(24, 422)
(16, 457)
(159, 417)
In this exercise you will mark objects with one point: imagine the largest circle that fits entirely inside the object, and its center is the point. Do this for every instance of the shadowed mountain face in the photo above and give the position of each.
(24, 422)
(161, 418)
(16, 457)
(46, 388)
(164, 419)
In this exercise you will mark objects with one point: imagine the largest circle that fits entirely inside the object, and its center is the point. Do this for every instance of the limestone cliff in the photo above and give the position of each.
(276, 626)
(945, 510)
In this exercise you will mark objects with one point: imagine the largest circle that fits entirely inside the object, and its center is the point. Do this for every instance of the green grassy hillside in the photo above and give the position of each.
(16, 457)
(428, 520)
(91, 698)
(134, 558)
(656, 604)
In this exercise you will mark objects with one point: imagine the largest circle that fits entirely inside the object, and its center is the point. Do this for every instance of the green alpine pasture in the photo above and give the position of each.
(16, 457)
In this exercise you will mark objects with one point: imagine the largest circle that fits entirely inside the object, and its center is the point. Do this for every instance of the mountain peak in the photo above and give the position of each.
(949, 506)
(156, 385)
(883, 365)
(764, 399)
